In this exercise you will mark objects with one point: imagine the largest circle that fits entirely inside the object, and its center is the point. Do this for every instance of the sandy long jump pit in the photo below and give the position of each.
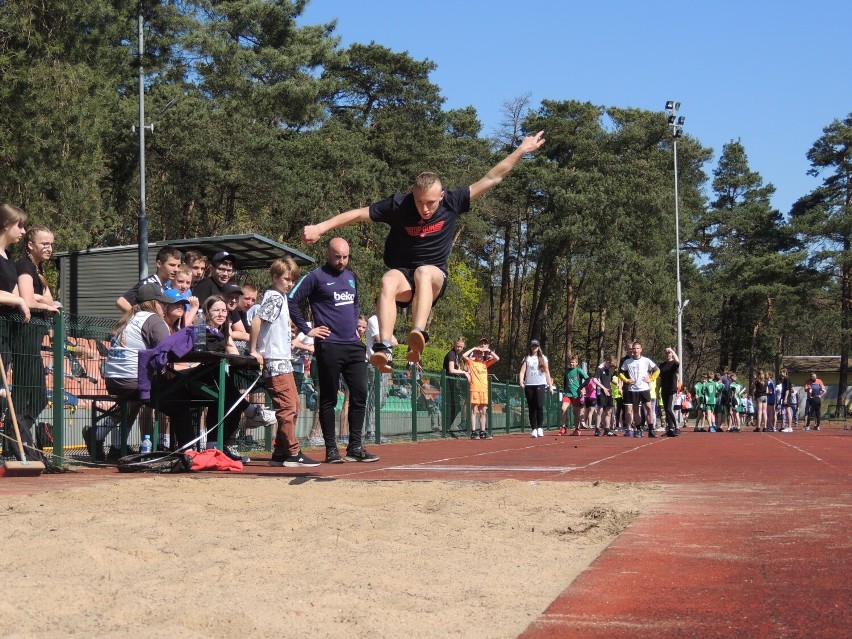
(168, 556)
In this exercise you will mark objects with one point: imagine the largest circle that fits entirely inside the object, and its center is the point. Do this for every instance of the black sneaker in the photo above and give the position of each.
(474, 434)
(360, 454)
(277, 459)
(298, 460)
(651, 433)
(231, 452)
(484, 434)
(332, 456)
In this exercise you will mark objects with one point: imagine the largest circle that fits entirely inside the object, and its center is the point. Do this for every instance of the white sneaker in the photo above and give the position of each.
(787, 430)
(541, 432)
(534, 432)
(257, 416)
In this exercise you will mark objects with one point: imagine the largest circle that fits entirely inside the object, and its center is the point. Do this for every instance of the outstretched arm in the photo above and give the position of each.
(502, 168)
(313, 232)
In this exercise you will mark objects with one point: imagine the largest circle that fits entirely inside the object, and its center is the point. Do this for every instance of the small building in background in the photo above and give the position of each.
(91, 280)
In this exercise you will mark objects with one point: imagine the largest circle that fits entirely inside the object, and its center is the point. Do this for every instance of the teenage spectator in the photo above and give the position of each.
(232, 293)
(168, 262)
(140, 328)
(479, 359)
(422, 230)
(182, 283)
(11, 303)
(271, 345)
(534, 377)
(638, 372)
(197, 263)
(603, 380)
(616, 387)
(712, 390)
(454, 369)
(815, 390)
(770, 402)
(668, 390)
(759, 394)
(223, 272)
(737, 392)
(30, 382)
(248, 300)
(785, 401)
(219, 341)
(331, 290)
(700, 403)
(573, 379)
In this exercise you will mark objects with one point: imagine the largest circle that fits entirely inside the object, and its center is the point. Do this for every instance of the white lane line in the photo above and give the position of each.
(779, 439)
(497, 469)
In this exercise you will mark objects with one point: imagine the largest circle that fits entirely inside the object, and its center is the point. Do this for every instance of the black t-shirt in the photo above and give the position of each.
(8, 282)
(205, 288)
(604, 375)
(25, 266)
(668, 377)
(414, 242)
(452, 356)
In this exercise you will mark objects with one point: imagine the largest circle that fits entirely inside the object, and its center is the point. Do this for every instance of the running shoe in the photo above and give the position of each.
(382, 359)
(416, 343)
(360, 454)
(332, 456)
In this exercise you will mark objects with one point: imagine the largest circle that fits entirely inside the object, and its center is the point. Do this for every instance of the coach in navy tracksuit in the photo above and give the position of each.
(332, 293)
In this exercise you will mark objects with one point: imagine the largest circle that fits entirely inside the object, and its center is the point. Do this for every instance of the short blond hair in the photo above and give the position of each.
(424, 181)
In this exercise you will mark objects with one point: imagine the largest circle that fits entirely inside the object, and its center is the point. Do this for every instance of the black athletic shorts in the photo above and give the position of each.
(408, 273)
(638, 397)
(604, 401)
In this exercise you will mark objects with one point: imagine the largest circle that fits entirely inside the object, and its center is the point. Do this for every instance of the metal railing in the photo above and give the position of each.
(55, 362)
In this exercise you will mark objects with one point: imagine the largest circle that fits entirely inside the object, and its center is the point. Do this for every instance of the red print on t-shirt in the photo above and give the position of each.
(423, 229)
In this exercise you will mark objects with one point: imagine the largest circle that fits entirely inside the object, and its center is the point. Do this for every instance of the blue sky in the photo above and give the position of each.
(772, 75)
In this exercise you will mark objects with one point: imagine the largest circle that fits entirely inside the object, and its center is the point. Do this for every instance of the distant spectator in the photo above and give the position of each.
(224, 264)
(197, 263)
(815, 390)
(168, 262)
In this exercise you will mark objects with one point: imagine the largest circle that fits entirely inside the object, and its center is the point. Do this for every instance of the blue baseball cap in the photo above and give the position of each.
(175, 296)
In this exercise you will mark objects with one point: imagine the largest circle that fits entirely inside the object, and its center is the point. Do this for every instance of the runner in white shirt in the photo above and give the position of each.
(639, 372)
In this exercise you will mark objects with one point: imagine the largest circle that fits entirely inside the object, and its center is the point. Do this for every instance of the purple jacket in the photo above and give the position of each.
(154, 360)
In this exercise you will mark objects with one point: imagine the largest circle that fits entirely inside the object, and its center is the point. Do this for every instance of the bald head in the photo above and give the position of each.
(337, 254)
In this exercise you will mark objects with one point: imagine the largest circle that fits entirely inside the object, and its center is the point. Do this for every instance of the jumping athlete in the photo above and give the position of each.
(423, 225)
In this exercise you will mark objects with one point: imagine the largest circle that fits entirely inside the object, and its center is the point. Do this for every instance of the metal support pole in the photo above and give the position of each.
(143, 217)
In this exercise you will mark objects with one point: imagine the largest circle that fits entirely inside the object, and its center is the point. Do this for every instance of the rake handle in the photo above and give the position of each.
(12, 412)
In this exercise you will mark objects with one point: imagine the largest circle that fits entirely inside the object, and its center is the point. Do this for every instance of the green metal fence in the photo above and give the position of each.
(55, 362)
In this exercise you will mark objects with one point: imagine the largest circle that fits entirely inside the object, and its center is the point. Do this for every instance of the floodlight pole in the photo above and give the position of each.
(676, 125)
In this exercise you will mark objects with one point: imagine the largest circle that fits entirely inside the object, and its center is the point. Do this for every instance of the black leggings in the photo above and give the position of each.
(535, 404)
(350, 361)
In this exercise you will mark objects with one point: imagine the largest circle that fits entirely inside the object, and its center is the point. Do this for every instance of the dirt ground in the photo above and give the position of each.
(167, 556)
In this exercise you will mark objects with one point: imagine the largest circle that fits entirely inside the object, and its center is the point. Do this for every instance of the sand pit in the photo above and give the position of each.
(167, 556)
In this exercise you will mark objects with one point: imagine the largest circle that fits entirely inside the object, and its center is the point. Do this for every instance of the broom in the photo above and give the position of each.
(25, 467)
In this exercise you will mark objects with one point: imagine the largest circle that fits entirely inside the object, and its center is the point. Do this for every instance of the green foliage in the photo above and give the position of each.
(273, 125)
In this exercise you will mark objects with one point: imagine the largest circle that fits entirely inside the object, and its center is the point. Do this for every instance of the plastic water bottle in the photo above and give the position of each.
(199, 333)
(147, 446)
